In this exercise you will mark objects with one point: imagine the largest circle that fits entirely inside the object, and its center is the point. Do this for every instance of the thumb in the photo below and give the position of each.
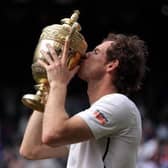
(74, 70)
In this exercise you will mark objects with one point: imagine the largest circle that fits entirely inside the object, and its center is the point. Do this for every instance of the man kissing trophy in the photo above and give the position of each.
(55, 35)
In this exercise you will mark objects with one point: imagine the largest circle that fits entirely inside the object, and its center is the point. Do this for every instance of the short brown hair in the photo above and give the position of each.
(131, 52)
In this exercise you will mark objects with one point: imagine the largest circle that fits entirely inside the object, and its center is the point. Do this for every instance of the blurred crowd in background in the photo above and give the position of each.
(21, 25)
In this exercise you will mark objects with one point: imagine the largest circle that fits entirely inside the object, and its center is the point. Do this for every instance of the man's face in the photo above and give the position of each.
(93, 67)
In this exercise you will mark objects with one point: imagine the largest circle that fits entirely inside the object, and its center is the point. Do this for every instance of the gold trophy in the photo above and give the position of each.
(55, 35)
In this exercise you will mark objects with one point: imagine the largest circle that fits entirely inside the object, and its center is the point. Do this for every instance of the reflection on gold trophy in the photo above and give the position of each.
(55, 35)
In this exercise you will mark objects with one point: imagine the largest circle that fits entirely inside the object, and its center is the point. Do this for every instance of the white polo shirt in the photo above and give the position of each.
(116, 125)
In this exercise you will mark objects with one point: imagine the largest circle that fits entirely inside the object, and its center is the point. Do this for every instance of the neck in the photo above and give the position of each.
(98, 89)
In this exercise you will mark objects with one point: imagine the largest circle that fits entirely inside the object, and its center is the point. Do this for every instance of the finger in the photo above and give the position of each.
(65, 49)
(47, 56)
(76, 69)
(52, 52)
(42, 63)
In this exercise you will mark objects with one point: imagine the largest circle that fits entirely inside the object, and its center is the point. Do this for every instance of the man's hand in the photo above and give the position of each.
(56, 66)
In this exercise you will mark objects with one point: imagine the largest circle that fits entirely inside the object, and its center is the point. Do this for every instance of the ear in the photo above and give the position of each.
(112, 65)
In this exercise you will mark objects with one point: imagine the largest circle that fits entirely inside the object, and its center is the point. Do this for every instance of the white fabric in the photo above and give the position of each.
(114, 116)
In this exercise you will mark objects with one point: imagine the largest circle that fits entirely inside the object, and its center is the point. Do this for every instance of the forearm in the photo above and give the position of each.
(55, 116)
(32, 137)
(32, 146)
(58, 128)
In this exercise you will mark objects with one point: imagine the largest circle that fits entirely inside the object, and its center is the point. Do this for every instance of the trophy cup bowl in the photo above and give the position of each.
(55, 35)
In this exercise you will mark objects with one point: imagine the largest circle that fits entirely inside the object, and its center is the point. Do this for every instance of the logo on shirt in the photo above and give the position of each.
(100, 117)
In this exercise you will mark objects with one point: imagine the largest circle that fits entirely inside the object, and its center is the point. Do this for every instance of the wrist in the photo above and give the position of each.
(58, 85)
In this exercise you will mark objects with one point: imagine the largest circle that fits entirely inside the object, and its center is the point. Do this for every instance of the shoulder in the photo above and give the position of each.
(110, 114)
(116, 100)
(118, 106)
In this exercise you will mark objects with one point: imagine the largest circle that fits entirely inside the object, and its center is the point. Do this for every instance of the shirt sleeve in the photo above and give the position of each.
(108, 116)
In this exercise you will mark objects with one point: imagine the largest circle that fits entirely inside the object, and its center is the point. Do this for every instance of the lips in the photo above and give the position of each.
(82, 59)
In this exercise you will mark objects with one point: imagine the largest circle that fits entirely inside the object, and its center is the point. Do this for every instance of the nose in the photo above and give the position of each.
(87, 54)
